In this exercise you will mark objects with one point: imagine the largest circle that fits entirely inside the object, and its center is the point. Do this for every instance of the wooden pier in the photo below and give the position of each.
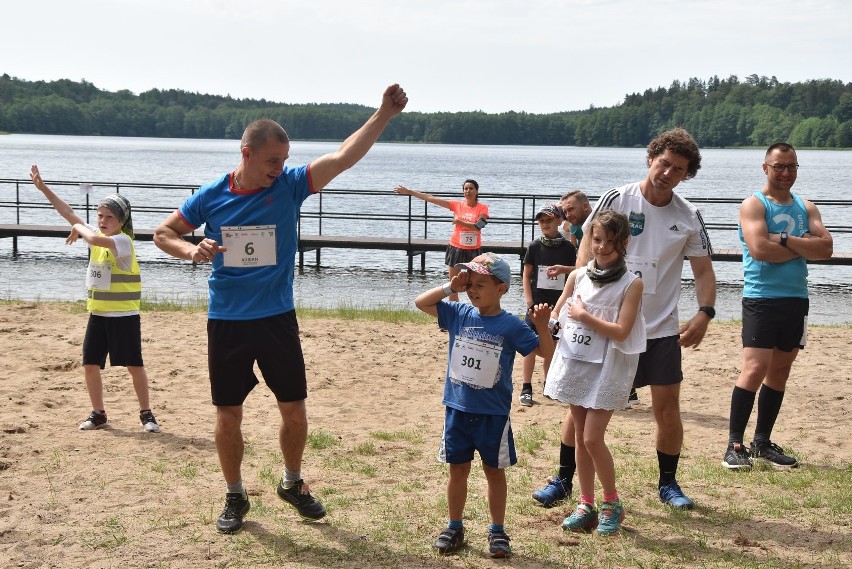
(411, 247)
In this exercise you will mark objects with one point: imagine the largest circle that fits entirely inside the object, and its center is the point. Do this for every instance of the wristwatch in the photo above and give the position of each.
(708, 310)
(784, 237)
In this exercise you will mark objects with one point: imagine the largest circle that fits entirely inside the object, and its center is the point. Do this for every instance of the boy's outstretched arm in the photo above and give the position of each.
(428, 301)
(540, 315)
(58, 204)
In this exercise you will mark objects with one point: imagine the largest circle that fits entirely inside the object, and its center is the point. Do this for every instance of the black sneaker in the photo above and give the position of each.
(525, 398)
(450, 540)
(148, 421)
(307, 506)
(632, 399)
(498, 544)
(231, 519)
(95, 421)
(773, 454)
(736, 458)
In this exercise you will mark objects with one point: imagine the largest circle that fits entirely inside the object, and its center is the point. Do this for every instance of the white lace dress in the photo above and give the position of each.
(603, 385)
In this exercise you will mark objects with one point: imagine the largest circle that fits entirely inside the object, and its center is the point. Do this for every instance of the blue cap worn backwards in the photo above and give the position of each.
(489, 264)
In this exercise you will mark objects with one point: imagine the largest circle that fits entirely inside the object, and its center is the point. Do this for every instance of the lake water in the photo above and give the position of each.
(46, 269)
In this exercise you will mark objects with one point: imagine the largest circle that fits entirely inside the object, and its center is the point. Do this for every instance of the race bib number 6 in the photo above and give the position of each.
(249, 246)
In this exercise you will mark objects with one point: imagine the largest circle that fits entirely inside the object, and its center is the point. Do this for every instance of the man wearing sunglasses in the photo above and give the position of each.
(780, 232)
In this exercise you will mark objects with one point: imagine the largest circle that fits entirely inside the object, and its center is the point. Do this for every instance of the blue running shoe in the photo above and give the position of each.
(672, 495)
(557, 489)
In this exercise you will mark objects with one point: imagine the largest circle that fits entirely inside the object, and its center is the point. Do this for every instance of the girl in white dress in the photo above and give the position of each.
(603, 333)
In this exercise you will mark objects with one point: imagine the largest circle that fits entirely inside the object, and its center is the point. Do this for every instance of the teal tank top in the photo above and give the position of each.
(777, 280)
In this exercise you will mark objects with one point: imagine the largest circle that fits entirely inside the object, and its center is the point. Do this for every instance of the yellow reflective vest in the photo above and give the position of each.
(125, 287)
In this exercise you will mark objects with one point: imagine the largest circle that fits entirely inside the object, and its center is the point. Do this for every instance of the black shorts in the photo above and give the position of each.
(118, 336)
(660, 363)
(455, 255)
(775, 323)
(233, 346)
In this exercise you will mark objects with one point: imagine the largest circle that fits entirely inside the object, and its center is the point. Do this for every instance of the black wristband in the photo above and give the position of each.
(708, 310)
(784, 237)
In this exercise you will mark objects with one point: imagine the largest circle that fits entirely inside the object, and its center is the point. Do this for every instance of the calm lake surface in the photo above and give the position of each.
(47, 269)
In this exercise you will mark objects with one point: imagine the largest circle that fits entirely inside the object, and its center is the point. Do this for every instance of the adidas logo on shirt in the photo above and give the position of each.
(674, 228)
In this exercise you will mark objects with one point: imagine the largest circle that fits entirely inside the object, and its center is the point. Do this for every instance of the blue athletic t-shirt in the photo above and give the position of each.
(483, 337)
(248, 293)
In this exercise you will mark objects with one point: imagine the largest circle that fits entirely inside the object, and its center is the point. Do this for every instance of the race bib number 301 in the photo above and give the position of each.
(474, 362)
(249, 246)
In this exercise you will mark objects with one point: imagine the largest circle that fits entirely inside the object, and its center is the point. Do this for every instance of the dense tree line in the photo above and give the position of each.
(718, 112)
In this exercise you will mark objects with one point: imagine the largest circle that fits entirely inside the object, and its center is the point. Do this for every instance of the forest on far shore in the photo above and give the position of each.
(757, 111)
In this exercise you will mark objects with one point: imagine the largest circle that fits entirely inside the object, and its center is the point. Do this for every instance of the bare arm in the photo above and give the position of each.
(91, 237)
(567, 291)
(326, 168)
(167, 236)
(817, 244)
(58, 204)
(527, 283)
(619, 330)
(428, 301)
(540, 315)
(403, 191)
(693, 331)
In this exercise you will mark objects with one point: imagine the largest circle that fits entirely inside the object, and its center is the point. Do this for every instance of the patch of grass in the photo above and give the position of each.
(381, 313)
(395, 436)
(529, 439)
(319, 439)
(105, 534)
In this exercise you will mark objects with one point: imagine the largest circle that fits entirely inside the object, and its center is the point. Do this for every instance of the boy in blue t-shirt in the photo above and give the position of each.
(483, 339)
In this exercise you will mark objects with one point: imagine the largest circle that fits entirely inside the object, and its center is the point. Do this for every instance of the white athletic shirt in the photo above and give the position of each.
(660, 238)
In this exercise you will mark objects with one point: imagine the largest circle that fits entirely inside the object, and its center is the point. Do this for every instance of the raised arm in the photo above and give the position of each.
(58, 204)
(325, 168)
(403, 191)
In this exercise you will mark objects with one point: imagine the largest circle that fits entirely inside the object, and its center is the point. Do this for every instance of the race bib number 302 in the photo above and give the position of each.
(582, 343)
(249, 246)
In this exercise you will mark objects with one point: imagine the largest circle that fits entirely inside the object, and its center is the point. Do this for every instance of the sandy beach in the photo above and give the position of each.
(120, 497)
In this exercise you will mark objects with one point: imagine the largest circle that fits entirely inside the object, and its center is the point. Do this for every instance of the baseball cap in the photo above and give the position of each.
(489, 264)
(550, 210)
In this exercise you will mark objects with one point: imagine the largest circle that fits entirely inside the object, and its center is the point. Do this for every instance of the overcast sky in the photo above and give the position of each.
(537, 56)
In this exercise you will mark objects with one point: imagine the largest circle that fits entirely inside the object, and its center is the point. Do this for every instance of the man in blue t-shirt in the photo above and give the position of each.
(249, 217)
(779, 231)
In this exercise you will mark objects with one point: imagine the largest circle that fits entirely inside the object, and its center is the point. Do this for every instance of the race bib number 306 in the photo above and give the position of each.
(249, 246)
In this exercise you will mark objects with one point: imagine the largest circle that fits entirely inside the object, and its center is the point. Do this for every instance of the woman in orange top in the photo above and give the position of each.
(469, 217)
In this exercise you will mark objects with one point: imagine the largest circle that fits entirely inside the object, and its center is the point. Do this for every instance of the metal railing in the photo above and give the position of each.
(332, 212)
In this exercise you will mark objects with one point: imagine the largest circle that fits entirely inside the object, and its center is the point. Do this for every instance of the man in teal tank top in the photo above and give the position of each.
(779, 232)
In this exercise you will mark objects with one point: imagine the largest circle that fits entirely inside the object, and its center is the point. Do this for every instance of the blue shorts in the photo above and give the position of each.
(490, 435)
